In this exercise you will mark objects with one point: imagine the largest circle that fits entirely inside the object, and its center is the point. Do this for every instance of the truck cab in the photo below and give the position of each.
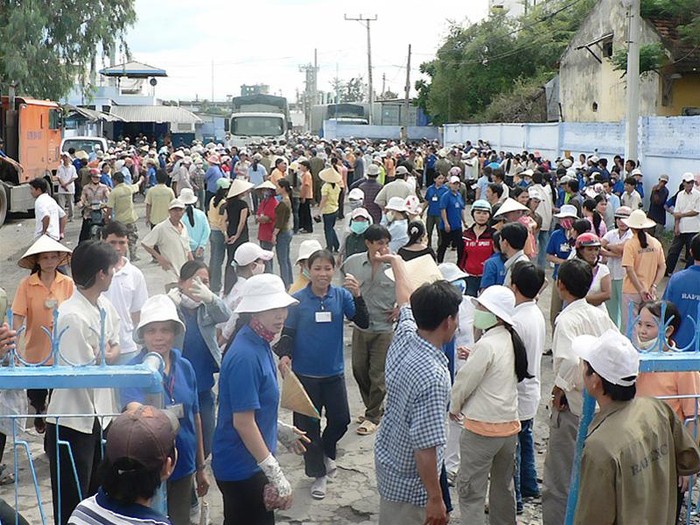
(32, 132)
(258, 117)
(89, 145)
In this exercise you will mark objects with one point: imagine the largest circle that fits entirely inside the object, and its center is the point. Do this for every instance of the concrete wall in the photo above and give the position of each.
(585, 82)
(667, 145)
(333, 130)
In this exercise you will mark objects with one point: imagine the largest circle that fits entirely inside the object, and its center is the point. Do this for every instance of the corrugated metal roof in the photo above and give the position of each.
(93, 115)
(172, 114)
(133, 69)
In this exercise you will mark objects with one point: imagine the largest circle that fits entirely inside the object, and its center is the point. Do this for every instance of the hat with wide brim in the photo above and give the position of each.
(187, 196)
(420, 271)
(264, 292)
(306, 248)
(567, 211)
(82, 155)
(239, 186)
(43, 244)
(396, 204)
(267, 185)
(295, 398)
(330, 175)
(158, 308)
(508, 206)
(638, 220)
(451, 272)
(498, 300)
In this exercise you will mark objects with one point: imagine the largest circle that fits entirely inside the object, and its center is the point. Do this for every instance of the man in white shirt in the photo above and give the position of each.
(686, 213)
(66, 177)
(526, 282)
(512, 242)
(49, 216)
(92, 268)
(577, 318)
(128, 291)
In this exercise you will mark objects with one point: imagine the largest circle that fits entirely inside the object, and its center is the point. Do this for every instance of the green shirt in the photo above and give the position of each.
(378, 290)
(121, 203)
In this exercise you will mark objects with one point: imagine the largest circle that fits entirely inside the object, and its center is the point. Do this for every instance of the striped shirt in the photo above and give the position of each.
(100, 509)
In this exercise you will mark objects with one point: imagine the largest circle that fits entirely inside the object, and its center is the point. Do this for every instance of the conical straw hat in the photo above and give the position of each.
(420, 270)
(43, 244)
(295, 398)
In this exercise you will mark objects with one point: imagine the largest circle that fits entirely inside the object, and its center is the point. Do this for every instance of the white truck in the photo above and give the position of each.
(257, 118)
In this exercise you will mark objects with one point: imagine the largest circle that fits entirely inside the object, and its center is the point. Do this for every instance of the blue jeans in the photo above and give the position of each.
(542, 241)
(216, 258)
(207, 409)
(266, 245)
(284, 240)
(525, 477)
(332, 242)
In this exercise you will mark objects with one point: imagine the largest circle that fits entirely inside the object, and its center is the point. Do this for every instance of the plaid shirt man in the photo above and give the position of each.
(417, 394)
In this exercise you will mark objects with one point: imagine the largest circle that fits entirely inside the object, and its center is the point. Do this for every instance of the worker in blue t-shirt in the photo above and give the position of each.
(683, 290)
(432, 196)
(451, 220)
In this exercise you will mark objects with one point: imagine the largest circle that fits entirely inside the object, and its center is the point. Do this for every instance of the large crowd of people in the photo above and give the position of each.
(447, 362)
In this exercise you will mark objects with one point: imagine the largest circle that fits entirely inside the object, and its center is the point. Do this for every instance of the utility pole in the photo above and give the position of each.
(407, 100)
(632, 114)
(366, 20)
(212, 81)
(383, 84)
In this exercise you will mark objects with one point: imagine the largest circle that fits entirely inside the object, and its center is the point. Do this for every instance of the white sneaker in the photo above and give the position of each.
(318, 488)
(331, 467)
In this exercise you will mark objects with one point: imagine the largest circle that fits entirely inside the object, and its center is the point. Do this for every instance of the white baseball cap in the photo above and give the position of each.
(688, 177)
(356, 194)
(611, 355)
(455, 178)
(498, 300)
(306, 248)
(360, 212)
(263, 292)
(248, 252)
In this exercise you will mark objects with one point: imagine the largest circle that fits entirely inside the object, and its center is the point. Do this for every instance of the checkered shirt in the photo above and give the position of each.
(417, 394)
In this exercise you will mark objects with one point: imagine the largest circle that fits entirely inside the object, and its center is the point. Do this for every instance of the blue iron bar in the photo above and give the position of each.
(131, 376)
(669, 362)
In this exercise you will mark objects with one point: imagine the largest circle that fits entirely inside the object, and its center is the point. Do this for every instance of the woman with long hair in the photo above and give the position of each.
(416, 246)
(644, 261)
(217, 238)
(294, 179)
(329, 206)
(306, 197)
(196, 222)
(312, 346)
(265, 217)
(340, 167)
(237, 212)
(485, 401)
(282, 233)
(38, 295)
(589, 208)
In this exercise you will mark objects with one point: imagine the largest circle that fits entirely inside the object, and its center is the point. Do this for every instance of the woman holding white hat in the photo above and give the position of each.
(216, 214)
(38, 295)
(485, 401)
(157, 331)
(196, 222)
(644, 262)
(246, 436)
(329, 206)
(396, 221)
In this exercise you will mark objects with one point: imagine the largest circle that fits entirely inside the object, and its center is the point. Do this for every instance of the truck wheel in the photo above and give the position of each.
(3, 204)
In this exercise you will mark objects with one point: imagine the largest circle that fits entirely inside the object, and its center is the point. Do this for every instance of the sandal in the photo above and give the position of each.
(360, 419)
(331, 467)
(366, 428)
(318, 488)
(6, 477)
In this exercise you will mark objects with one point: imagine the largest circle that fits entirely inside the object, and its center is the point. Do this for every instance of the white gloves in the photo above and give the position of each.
(287, 435)
(201, 292)
(271, 468)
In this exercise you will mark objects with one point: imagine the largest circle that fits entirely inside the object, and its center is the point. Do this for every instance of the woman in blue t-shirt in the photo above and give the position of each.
(312, 345)
(157, 331)
(246, 471)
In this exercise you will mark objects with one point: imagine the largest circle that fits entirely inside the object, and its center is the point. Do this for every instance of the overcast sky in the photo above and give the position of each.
(265, 41)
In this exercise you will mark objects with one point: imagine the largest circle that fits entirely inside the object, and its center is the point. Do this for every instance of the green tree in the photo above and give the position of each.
(45, 45)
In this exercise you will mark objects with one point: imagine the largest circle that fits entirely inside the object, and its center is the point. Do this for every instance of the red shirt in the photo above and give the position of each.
(267, 208)
(476, 250)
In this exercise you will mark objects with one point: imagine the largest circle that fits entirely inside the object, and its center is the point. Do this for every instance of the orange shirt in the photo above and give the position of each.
(275, 176)
(644, 261)
(654, 384)
(482, 428)
(36, 304)
(307, 186)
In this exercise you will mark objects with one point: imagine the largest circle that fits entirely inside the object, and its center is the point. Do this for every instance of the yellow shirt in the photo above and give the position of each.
(217, 217)
(159, 197)
(299, 284)
(332, 194)
(121, 203)
(644, 261)
(36, 304)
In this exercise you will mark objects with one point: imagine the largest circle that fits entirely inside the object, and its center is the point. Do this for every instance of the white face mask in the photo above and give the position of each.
(390, 216)
(258, 269)
(645, 345)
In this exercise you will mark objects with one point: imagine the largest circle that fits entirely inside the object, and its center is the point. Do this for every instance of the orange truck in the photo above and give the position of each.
(32, 131)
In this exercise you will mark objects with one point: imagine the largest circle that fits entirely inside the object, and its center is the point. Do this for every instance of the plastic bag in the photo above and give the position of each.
(12, 403)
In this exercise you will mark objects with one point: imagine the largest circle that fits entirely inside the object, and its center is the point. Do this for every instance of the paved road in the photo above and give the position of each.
(352, 496)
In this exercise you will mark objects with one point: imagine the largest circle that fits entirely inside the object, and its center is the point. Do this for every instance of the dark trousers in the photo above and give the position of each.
(429, 177)
(332, 242)
(295, 213)
(243, 501)
(87, 454)
(454, 238)
(473, 285)
(208, 196)
(327, 393)
(341, 199)
(37, 398)
(305, 221)
(679, 242)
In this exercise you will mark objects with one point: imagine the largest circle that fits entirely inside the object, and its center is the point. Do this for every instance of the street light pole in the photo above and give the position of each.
(366, 20)
(632, 113)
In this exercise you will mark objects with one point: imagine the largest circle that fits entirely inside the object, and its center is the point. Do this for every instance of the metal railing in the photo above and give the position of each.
(655, 359)
(51, 374)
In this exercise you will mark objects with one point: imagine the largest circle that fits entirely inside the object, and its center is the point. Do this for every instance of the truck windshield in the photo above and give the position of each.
(257, 126)
(88, 146)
